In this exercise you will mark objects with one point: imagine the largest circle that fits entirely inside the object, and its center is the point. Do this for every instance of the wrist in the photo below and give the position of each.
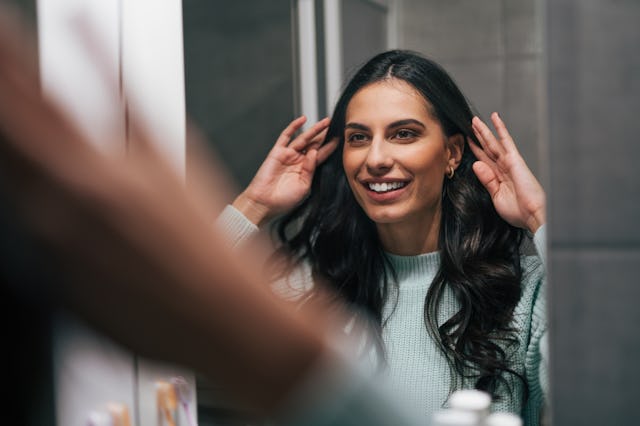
(256, 212)
(535, 221)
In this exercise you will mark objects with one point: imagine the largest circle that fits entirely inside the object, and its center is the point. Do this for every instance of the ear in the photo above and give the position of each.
(455, 149)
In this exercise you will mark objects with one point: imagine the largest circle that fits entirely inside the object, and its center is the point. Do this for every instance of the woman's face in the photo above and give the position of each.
(395, 154)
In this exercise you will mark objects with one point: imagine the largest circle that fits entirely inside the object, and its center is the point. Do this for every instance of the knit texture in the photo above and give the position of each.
(416, 371)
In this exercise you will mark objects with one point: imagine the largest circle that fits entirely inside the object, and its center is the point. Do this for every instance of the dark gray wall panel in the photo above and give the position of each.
(523, 108)
(239, 76)
(364, 33)
(594, 98)
(448, 30)
(595, 338)
(523, 23)
(482, 82)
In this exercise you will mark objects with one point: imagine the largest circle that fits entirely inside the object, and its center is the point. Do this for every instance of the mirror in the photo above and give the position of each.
(244, 79)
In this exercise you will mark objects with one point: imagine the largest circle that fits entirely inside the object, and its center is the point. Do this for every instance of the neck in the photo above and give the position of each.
(411, 237)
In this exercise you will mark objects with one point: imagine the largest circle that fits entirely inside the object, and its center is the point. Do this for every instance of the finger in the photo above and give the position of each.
(33, 126)
(141, 143)
(478, 151)
(488, 141)
(316, 142)
(487, 177)
(290, 130)
(17, 45)
(480, 137)
(326, 150)
(482, 156)
(42, 148)
(310, 161)
(503, 133)
(306, 137)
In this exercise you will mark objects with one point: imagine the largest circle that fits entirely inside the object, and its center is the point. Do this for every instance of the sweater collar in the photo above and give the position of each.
(419, 267)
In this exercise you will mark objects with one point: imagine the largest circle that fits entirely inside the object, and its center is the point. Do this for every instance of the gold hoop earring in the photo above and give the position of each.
(452, 171)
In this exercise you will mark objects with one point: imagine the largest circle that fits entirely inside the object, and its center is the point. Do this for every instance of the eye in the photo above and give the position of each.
(405, 134)
(357, 138)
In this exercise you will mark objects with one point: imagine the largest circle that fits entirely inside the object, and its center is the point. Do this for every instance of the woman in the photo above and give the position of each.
(417, 218)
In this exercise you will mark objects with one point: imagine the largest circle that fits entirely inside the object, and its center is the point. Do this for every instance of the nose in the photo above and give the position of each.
(379, 159)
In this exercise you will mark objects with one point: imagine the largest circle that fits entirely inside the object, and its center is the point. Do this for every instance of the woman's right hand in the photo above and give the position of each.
(284, 178)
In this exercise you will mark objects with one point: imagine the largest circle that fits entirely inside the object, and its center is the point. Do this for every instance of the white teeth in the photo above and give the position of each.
(386, 186)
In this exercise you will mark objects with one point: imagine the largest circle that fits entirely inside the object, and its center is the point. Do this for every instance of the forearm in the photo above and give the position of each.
(200, 309)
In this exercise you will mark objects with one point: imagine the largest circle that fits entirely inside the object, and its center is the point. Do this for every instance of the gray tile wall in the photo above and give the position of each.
(594, 98)
(239, 78)
(364, 33)
(493, 49)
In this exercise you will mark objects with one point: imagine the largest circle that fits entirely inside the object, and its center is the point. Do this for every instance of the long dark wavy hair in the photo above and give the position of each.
(479, 251)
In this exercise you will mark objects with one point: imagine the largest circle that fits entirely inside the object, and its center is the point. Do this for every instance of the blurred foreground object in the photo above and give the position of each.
(134, 254)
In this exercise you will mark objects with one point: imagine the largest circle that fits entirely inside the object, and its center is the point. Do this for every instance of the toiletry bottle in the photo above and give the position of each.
(503, 419)
(452, 417)
(471, 400)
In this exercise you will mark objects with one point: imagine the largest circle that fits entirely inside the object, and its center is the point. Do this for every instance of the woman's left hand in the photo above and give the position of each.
(517, 195)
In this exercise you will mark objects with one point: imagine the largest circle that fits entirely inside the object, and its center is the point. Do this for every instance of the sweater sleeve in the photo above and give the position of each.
(540, 313)
(536, 357)
(540, 241)
(235, 226)
(238, 230)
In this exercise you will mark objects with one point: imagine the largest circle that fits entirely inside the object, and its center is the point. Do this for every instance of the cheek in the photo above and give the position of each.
(429, 170)
(426, 161)
(432, 170)
(350, 163)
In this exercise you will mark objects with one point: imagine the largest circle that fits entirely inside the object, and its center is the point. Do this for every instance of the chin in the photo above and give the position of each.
(384, 216)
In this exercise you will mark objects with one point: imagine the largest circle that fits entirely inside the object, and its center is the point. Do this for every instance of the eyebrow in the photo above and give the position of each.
(395, 124)
(356, 126)
(405, 122)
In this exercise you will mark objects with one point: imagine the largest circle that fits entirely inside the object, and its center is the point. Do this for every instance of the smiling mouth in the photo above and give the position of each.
(383, 187)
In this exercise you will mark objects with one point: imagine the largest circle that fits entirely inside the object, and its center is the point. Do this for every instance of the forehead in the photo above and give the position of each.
(389, 99)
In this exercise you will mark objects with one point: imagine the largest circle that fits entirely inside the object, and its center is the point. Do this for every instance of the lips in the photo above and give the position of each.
(385, 186)
(385, 191)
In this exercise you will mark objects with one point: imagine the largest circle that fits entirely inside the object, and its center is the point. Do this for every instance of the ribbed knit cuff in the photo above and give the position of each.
(540, 241)
(235, 226)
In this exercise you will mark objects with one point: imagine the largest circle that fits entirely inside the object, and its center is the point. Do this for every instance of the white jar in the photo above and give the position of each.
(503, 419)
(472, 400)
(451, 417)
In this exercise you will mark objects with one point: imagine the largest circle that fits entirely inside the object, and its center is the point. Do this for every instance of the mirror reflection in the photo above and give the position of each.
(261, 77)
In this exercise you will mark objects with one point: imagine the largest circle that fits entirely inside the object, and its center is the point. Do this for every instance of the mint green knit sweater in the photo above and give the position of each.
(417, 372)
